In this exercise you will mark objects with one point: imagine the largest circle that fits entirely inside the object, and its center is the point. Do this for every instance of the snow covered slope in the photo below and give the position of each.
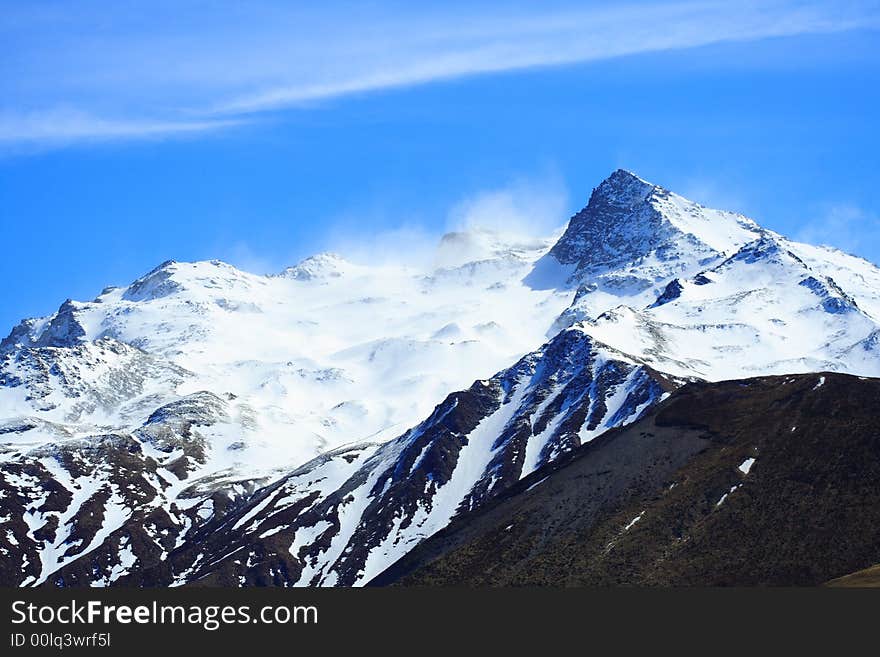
(764, 310)
(696, 292)
(325, 353)
(343, 517)
(631, 239)
(311, 426)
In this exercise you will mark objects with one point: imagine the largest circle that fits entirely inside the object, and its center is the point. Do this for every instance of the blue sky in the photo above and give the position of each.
(259, 133)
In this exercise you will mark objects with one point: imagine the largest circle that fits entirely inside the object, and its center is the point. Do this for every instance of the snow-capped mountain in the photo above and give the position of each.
(325, 353)
(631, 239)
(341, 519)
(312, 426)
(764, 310)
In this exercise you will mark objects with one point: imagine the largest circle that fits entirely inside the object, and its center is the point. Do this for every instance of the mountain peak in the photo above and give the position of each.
(322, 265)
(155, 283)
(628, 219)
(624, 188)
(618, 225)
(237, 385)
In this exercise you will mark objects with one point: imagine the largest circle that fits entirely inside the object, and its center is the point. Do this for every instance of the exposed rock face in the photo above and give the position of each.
(88, 511)
(207, 425)
(632, 234)
(346, 515)
(103, 376)
(617, 226)
(769, 481)
(154, 285)
(341, 518)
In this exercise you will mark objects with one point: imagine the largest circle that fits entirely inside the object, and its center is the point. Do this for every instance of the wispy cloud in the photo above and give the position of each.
(503, 43)
(168, 68)
(845, 226)
(526, 207)
(61, 126)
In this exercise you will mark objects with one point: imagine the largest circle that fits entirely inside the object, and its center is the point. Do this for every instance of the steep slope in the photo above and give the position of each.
(343, 517)
(762, 310)
(102, 504)
(325, 353)
(631, 240)
(160, 405)
(703, 293)
(774, 480)
(295, 416)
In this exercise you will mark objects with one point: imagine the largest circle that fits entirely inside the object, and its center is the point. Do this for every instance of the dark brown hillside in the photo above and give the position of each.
(805, 512)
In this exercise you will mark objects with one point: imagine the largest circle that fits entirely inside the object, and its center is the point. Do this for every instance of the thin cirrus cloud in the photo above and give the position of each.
(562, 39)
(845, 226)
(66, 125)
(185, 68)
